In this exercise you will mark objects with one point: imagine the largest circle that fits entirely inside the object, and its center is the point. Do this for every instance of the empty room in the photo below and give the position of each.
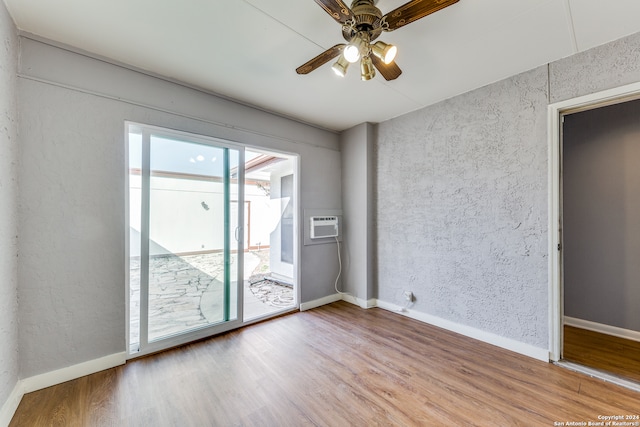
(376, 212)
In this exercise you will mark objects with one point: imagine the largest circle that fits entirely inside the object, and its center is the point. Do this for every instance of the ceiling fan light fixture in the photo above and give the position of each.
(340, 67)
(386, 52)
(367, 71)
(362, 24)
(357, 48)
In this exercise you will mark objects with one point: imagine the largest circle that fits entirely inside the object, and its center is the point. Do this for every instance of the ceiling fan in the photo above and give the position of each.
(361, 25)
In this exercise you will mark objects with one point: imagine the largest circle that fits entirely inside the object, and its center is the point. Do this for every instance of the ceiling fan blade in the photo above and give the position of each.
(412, 11)
(337, 9)
(389, 71)
(321, 59)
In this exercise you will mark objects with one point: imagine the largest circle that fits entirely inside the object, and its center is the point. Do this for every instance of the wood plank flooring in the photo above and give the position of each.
(336, 365)
(605, 352)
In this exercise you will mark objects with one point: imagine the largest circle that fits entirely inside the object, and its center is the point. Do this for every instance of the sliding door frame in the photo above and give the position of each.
(146, 347)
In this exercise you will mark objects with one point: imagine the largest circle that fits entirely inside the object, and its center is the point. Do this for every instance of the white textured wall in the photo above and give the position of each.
(8, 207)
(180, 237)
(462, 208)
(72, 198)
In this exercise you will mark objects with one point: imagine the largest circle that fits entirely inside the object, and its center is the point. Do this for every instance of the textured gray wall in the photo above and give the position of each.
(462, 195)
(601, 211)
(462, 208)
(604, 67)
(72, 195)
(8, 208)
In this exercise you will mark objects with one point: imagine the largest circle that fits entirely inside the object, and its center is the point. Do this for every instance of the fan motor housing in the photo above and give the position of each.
(366, 16)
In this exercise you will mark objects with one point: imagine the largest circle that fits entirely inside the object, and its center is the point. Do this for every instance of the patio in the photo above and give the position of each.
(185, 292)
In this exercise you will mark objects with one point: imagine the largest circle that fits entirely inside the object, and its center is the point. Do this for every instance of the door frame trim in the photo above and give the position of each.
(555, 112)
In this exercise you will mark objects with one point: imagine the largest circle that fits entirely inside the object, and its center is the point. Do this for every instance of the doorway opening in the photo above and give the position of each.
(270, 203)
(595, 238)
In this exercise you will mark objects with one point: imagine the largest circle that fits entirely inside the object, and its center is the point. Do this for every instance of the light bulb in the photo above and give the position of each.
(340, 67)
(390, 55)
(386, 52)
(351, 53)
(357, 47)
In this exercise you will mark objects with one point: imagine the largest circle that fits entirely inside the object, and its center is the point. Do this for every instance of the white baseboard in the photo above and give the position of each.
(10, 406)
(320, 302)
(488, 337)
(359, 301)
(48, 379)
(337, 297)
(603, 329)
(59, 376)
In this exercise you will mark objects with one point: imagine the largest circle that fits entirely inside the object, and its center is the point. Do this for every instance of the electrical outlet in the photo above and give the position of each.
(408, 295)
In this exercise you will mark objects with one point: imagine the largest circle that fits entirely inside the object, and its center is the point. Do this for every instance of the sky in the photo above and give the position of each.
(173, 155)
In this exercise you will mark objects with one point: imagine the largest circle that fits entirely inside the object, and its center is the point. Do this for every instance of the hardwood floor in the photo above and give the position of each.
(605, 352)
(337, 365)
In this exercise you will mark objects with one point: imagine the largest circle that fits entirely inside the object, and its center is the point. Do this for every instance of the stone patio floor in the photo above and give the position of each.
(185, 292)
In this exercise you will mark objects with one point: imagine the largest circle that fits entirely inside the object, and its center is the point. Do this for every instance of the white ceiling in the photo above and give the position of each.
(248, 50)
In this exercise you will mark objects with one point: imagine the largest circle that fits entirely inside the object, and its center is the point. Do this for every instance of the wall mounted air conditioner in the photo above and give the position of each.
(324, 226)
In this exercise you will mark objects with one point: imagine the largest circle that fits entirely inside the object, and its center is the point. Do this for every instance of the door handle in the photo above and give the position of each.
(237, 234)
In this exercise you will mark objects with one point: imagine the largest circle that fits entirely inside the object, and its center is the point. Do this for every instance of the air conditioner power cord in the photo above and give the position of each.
(340, 270)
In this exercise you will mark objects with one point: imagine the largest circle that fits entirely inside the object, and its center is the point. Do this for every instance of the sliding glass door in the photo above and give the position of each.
(185, 241)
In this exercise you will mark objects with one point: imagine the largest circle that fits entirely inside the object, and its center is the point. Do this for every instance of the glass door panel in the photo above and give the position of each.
(188, 248)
